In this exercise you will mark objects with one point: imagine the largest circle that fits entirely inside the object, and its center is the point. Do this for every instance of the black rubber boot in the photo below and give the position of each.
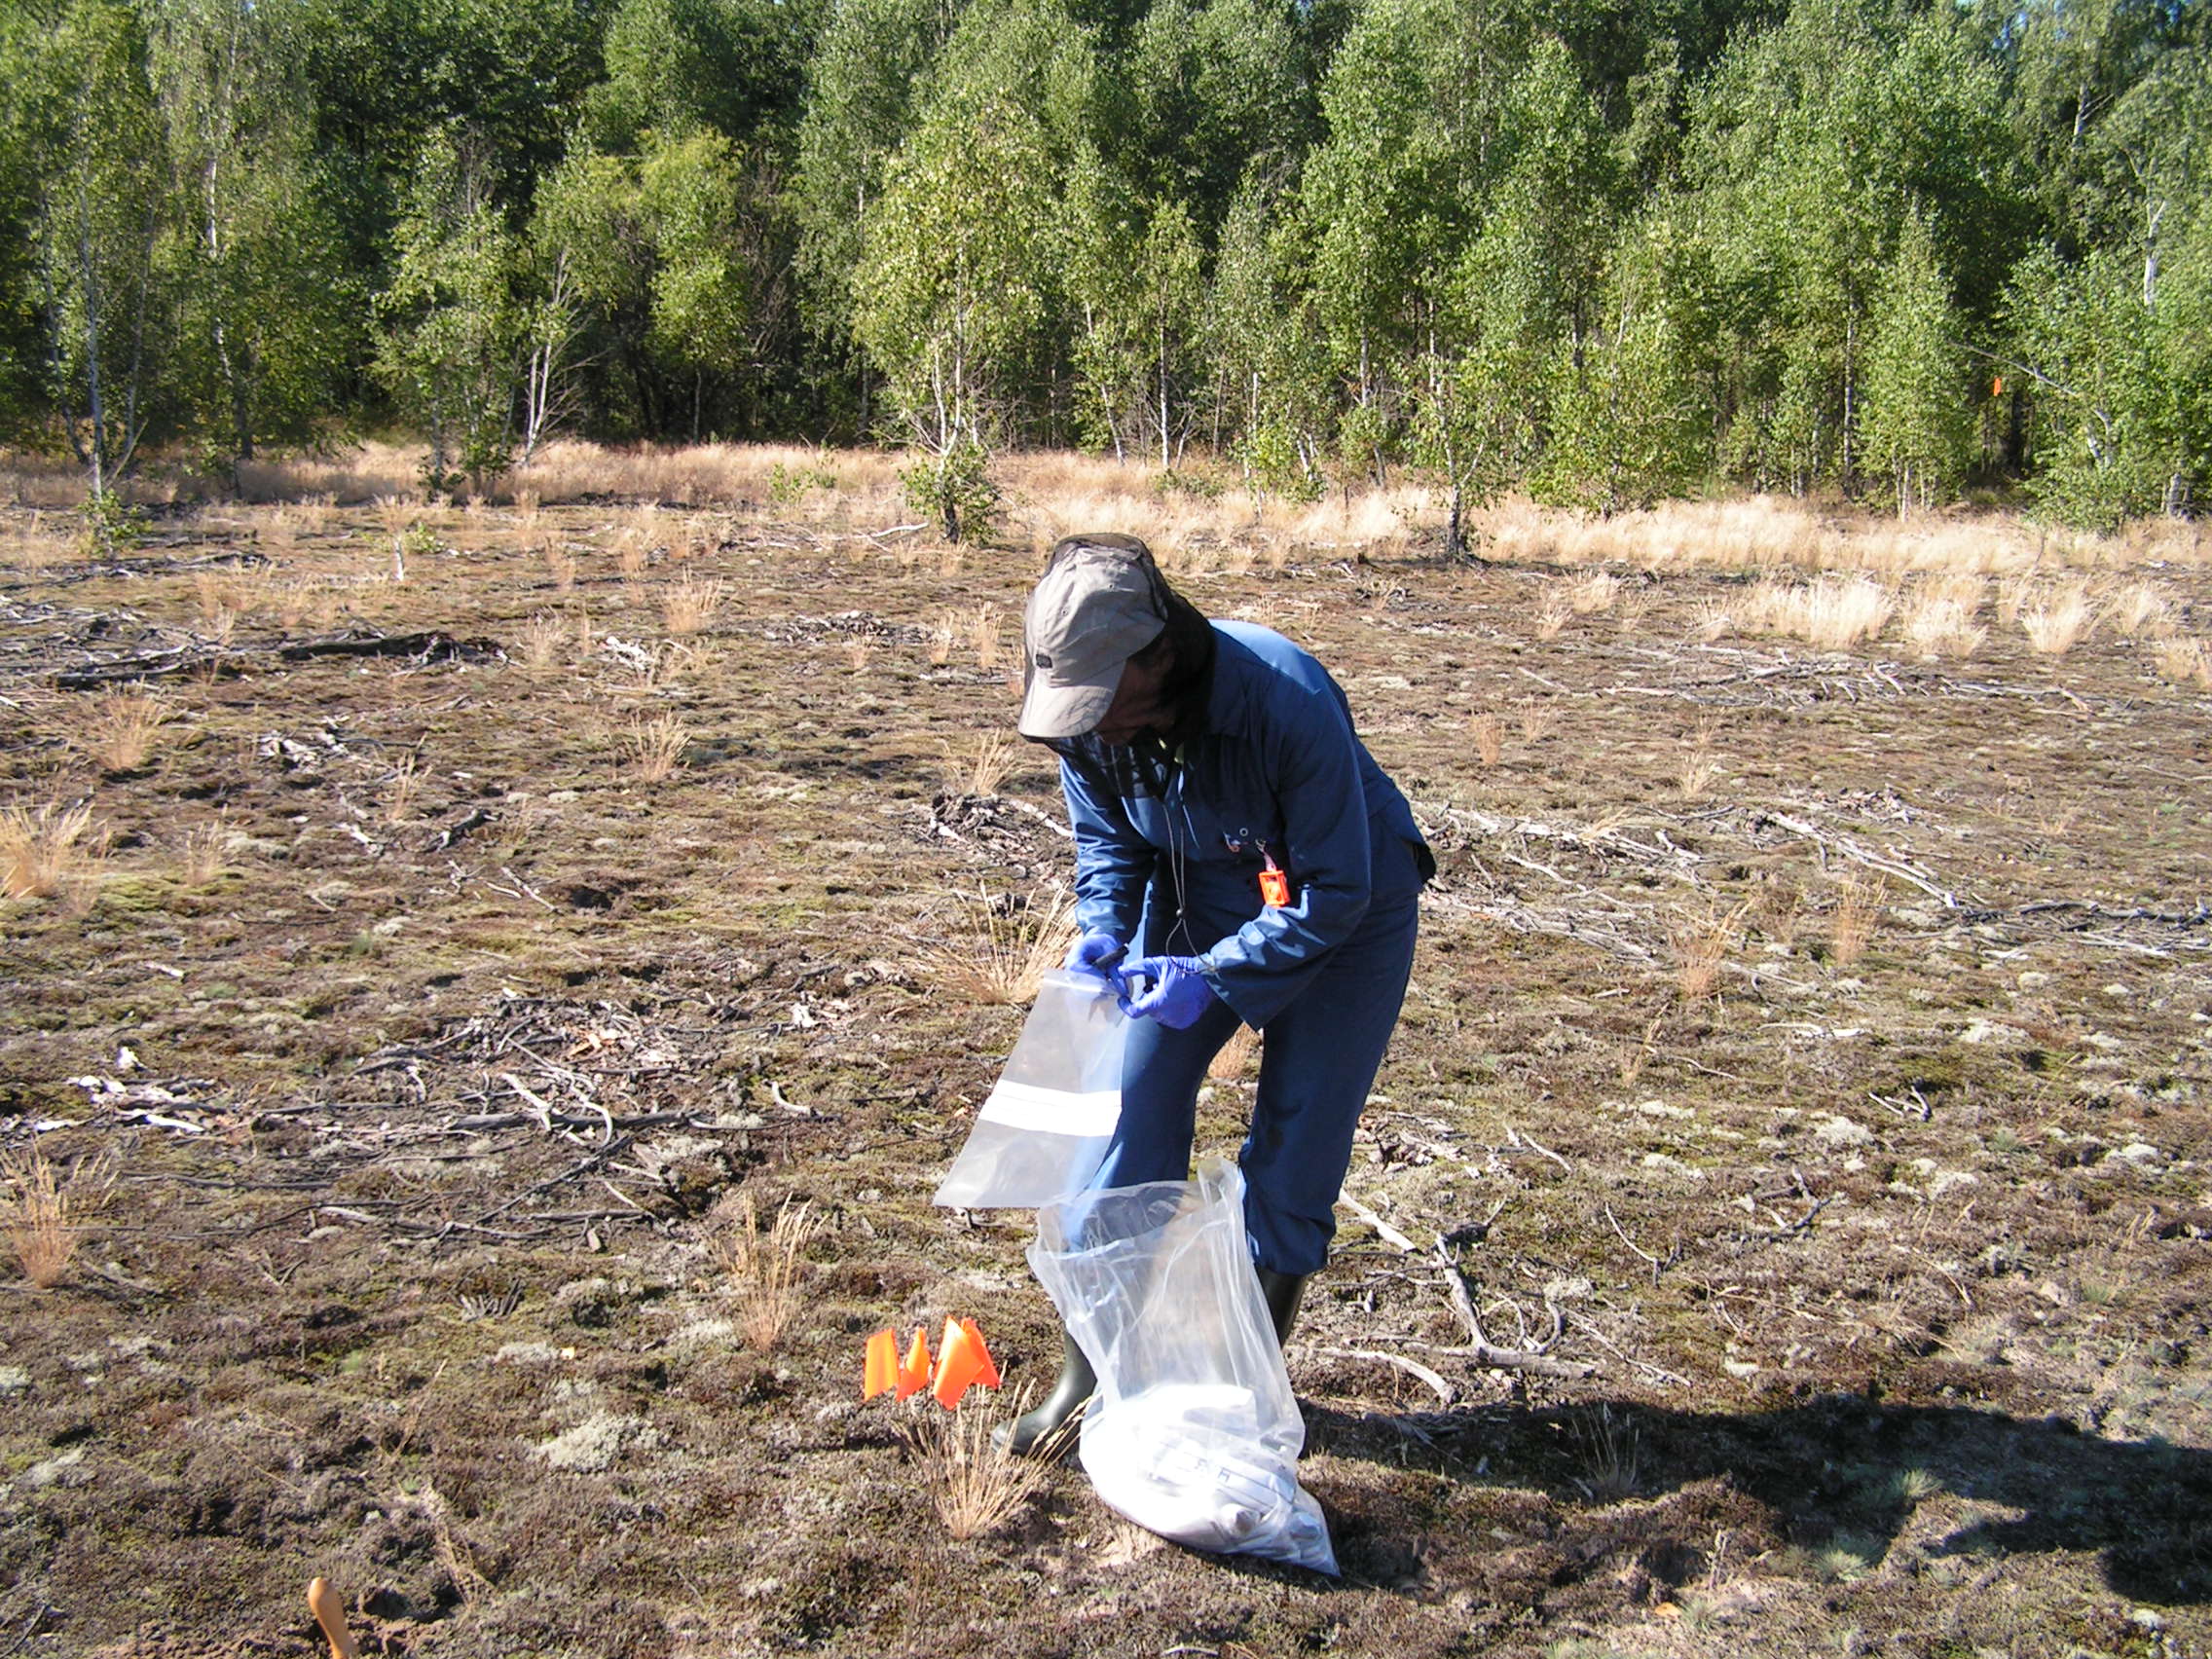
(1037, 1430)
(1282, 1293)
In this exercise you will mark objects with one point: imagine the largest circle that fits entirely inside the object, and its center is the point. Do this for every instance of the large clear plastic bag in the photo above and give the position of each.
(1043, 1130)
(1193, 1432)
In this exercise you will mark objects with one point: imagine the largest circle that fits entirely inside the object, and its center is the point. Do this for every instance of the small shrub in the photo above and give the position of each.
(47, 1208)
(406, 779)
(2186, 661)
(764, 1271)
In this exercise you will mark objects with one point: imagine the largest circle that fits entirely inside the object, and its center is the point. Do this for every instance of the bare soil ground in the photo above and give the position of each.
(429, 1031)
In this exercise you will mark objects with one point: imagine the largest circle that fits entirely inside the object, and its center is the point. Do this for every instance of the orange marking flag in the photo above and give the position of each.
(915, 1373)
(964, 1363)
(882, 1372)
(988, 1375)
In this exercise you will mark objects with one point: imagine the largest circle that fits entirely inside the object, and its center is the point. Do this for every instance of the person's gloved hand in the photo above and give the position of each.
(1098, 952)
(1179, 995)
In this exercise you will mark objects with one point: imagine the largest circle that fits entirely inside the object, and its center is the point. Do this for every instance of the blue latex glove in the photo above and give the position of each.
(1097, 953)
(1179, 995)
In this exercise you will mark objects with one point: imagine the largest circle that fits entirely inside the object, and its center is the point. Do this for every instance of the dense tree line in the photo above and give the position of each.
(1603, 251)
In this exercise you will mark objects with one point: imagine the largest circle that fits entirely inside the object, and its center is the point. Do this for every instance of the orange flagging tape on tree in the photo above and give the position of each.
(881, 1375)
(915, 1373)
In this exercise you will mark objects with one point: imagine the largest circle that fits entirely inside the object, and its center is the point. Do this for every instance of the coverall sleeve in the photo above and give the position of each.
(1113, 862)
(1312, 759)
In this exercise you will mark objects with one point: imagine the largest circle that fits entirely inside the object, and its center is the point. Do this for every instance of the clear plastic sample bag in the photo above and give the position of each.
(1193, 1432)
(1043, 1132)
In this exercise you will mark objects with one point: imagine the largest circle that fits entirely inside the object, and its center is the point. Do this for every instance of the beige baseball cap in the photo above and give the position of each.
(1094, 607)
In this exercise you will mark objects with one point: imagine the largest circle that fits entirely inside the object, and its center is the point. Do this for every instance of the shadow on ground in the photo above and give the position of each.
(1841, 1470)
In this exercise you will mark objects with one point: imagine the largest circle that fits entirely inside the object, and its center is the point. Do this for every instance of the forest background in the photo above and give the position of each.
(1603, 252)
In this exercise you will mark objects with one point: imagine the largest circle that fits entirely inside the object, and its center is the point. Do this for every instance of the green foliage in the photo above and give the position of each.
(450, 334)
(85, 118)
(952, 488)
(1603, 252)
(110, 524)
(1916, 427)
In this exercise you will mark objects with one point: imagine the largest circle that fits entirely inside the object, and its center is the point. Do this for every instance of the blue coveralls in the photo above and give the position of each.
(1168, 854)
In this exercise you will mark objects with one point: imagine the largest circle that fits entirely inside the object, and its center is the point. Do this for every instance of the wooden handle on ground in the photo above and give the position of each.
(330, 1613)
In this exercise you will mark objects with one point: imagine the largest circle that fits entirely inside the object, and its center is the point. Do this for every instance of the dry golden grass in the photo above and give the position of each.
(1699, 771)
(1236, 1059)
(1939, 625)
(1552, 615)
(2058, 620)
(201, 854)
(2186, 662)
(1538, 719)
(655, 745)
(407, 775)
(561, 569)
(47, 1208)
(50, 853)
(981, 768)
(1831, 612)
(1592, 592)
(1487, 732)
(1858, 914)
(2137, 607)
(764, 1273)
(1702, 942)
(976, 1485)
(986, 630)
(998, 951)
(687, 608)
(860, 651)
(544, 639)
(944, 632)
(120, 728)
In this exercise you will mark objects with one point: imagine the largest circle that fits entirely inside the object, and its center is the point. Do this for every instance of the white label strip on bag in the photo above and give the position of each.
(1052, 1111)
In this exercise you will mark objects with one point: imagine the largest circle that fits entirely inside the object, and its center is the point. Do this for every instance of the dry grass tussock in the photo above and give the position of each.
(1487, 732)
(688, 608)
(1831, 612)
(54, 852)
(981, 767)
(46, 1207)
(974, 1484)
(1858, 914)
(120, 728)
(997, 952)
(654, 746)
(1702, 942)
(1236, 1058)
(2187, 662)
(2059, 619)
(764, 1271)
(1939, 620)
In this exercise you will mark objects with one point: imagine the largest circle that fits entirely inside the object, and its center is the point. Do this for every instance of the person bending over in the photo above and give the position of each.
(1240, 860)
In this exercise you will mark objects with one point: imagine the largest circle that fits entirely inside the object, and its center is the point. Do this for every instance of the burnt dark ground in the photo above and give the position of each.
(1890, 1276)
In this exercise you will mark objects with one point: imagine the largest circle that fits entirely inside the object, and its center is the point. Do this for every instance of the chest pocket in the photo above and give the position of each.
(1227, 808)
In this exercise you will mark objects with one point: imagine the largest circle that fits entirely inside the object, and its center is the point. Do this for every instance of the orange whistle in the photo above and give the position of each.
(1274, 886)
